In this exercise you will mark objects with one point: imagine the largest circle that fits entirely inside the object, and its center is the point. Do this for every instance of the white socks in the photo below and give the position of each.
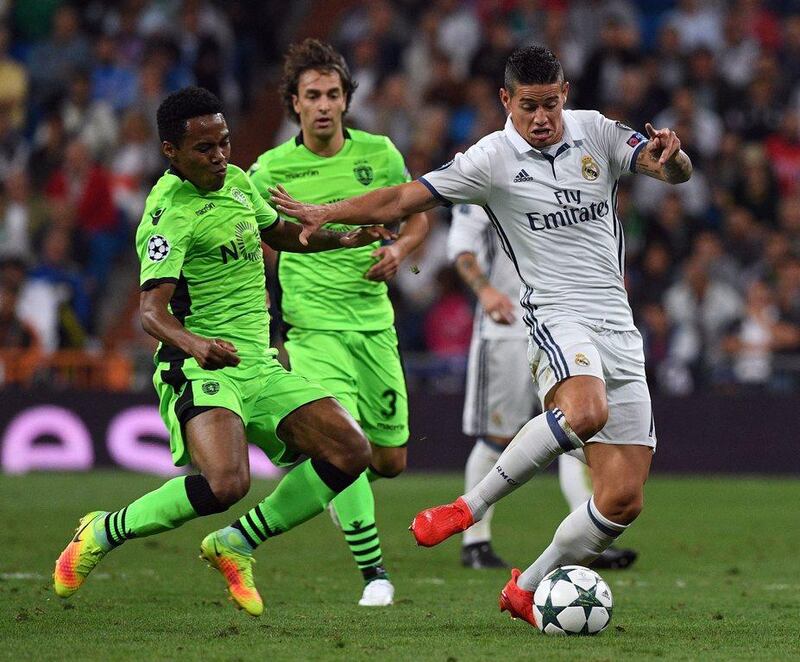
(579, 539)
(536, 445)
(480, 462)
(573, 476)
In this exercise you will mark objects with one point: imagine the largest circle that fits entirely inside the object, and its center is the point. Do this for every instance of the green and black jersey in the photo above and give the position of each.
(328, 291)
(208, 243)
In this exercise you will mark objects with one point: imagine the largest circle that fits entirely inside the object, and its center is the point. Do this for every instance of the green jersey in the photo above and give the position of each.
(328, 291)
(208, 243)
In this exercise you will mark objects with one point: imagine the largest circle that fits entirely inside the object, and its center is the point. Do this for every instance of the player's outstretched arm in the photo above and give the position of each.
(283, 236)
(210, 353)
(380, 206)
(662, 157)
(412, 234)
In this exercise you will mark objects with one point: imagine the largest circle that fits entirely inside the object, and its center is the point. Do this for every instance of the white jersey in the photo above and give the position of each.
(555, 214)
(471, 231)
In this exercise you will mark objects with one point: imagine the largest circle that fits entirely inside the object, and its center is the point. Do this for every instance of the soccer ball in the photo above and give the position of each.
(572, 600)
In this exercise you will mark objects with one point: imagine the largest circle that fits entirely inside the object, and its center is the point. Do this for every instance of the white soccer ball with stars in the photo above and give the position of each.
(572, 600)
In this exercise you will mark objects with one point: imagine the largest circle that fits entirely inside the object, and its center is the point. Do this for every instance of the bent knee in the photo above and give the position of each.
(622, 505)
(588, 420)
(229, 488)
(352, 454)
(388, 468)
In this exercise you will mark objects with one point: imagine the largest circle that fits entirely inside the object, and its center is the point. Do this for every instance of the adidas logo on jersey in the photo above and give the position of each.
(522, 176)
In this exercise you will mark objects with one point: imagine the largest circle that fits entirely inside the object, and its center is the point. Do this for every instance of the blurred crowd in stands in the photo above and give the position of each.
(713, 265)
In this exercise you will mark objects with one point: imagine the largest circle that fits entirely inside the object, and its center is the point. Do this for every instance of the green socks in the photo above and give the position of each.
(177, 501)
(355, 509)
(302, 493)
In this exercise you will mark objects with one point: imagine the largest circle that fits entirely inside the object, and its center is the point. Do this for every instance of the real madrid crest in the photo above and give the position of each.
(589, 168)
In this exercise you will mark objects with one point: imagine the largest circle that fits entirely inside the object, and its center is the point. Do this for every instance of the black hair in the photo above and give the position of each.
(318, 55)
(181, 106)
(532, 65)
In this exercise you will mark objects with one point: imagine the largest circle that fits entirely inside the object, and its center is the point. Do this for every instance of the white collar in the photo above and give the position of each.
(572, 133)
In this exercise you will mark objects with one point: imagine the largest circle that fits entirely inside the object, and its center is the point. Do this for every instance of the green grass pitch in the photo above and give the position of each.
(718, 578)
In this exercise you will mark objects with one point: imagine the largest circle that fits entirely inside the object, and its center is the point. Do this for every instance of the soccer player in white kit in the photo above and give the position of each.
(548, 182)
(499, 396)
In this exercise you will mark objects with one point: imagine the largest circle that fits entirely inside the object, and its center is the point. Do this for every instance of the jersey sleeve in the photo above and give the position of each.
(466, 179)
(162, 240)
(266, 216)
(622, 144)
(260, 178)
(466, 231)
(398, 173)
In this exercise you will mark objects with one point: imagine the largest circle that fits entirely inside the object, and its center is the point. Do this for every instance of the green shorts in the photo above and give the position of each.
(363, 371)
(262, 394)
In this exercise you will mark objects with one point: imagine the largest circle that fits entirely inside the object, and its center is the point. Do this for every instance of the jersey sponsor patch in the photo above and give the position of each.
(635, 139)
(157, 248)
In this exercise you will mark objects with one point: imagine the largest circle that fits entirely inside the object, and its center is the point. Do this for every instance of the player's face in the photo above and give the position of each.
(536, 112)
(320, 102)
(202, 157)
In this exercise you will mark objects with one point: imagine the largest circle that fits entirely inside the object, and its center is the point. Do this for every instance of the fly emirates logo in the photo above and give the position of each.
(571, 212)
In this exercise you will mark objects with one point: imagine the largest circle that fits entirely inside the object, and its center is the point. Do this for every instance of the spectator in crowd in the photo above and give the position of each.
(53, 59)
(112, 82)
(14, 149)
(448, 323)
(135, 165)
(82, 187)
(92, 121)
(756, 335)
(14, 83)
(54, 300)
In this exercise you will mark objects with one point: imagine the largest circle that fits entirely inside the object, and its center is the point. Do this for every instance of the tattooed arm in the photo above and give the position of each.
(662, 157)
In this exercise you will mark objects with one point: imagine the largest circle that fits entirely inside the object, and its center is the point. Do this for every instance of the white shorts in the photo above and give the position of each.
(500, 398)
(616, 357)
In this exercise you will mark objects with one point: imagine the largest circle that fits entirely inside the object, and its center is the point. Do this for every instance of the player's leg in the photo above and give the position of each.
(583, 412)
(499, 400)
(619, 473)
(292, 417)
(576, 486)
(215, 439)
(382, 405)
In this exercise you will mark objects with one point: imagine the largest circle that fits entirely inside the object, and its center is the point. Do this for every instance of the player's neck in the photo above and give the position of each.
(325, 146)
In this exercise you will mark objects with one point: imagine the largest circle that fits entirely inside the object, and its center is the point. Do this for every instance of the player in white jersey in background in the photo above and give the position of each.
(499, 396)
(548, 182)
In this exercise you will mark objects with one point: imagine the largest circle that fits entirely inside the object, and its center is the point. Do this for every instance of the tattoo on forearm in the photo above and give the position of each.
(470, 272)
(679, 168)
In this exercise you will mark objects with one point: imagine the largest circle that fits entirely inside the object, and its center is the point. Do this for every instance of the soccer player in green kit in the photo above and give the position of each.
(341, 321)
(220, 385)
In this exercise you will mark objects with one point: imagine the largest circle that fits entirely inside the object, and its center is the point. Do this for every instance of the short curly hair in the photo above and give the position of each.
(318, 55)
(181, 106)
(532, 65)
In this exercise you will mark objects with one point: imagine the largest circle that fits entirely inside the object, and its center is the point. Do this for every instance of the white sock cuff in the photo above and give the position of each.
(604, 524)
(564, 434)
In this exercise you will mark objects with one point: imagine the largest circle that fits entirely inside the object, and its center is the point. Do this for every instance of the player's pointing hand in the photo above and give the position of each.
(663, 144)
(311, 217)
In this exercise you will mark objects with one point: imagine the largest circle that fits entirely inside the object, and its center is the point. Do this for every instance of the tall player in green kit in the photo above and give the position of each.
(219, 384)
(341, 321)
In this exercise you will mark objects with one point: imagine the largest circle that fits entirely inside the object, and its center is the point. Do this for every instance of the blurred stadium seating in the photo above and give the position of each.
(713, 265)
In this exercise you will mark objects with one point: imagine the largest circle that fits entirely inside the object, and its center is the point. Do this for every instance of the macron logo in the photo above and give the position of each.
(522, 176)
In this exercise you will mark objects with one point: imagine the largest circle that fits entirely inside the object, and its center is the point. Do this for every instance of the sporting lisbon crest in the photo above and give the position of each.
(240, 197)
(589, 168)
(364, 173)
